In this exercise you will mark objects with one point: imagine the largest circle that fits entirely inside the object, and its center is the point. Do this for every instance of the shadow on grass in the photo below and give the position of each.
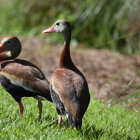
(92, 132)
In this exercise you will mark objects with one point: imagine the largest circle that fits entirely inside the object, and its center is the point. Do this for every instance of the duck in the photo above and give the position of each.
(21, 78)
(68, 86)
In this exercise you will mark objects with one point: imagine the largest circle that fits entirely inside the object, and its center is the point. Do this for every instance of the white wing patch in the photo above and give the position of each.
(40, 98)
(17, 81)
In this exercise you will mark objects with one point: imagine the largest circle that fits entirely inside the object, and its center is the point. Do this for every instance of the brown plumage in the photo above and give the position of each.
(69, 88)
(19, 77)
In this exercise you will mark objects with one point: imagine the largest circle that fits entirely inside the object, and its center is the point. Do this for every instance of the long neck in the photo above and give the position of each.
(65, 59)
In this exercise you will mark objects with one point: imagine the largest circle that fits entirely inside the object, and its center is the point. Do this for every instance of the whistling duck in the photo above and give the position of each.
(68, 86)
(19, 77)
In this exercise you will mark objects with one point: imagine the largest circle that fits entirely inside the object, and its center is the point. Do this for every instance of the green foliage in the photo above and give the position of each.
(100, 122)
(100, 23)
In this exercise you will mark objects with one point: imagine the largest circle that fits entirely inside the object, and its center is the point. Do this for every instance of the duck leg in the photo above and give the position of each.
(59, 117)
(40, 109)
(21, 108)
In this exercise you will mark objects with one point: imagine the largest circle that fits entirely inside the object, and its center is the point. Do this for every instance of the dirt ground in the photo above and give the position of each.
(110, 75)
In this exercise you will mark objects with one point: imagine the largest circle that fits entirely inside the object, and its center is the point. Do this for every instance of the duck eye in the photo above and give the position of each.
(57, 24)
(8, 42)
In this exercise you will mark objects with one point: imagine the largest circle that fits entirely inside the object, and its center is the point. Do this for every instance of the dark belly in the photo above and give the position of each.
(16, 91)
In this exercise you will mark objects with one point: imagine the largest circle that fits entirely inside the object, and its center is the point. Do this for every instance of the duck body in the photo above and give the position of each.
(68, 86)
(69, 92)
(23, 79)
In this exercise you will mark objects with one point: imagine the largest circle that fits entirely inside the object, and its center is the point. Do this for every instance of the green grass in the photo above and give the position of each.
(100, 122)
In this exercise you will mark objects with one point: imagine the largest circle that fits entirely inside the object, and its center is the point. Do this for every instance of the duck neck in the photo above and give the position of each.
(65, 59)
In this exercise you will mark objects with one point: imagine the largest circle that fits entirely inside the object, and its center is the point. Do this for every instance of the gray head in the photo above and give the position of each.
(60, 26)
(10, 48)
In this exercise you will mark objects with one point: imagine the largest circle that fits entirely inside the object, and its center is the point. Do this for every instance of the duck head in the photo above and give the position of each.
(10, 48)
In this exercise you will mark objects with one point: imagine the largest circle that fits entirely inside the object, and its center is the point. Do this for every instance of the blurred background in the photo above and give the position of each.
(99, 24)
(106, 34)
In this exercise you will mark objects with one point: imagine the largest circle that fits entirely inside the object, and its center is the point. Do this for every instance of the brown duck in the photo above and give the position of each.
(68, 86)
(19, 77)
